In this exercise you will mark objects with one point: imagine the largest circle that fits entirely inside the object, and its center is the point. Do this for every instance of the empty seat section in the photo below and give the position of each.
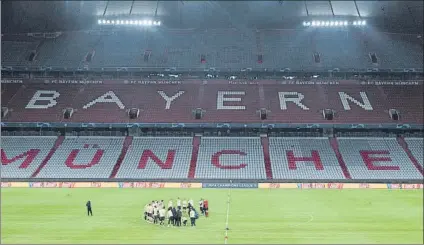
(157, 158)
(174, 103)
(287, 49)
(68, 50)
(42, 110)
(303, 158)
(120, 49)
(14, 52)
(228, 48)
(21, 156)
(230, 103)
(410, 109)
(376, 158)
(359, 104)
(8, 91)
(416, 147)
(84, 157)
(157, 103)
(230, 158)
(295, 104)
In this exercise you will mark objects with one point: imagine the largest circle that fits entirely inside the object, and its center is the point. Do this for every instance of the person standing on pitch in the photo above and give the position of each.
(206, 208)
(162, 213)
(192, 217)
(89, 210)
(201, 206)
(178, 203)
(155, 214)
(185, 204)
(170, 217)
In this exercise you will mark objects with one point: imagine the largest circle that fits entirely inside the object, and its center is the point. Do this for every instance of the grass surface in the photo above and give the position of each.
(256, 216)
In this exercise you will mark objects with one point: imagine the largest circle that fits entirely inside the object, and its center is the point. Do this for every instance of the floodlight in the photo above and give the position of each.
(104, 21)
(327, 23)
(364, 22)
(127, 22)
(158, 23)
(318, 23)
(345, 23)
(144, 22)
(99, 22)
(149, 23)
(113, 22)
(355, 23)
(313, 23)
(108, 21)
(331, 23)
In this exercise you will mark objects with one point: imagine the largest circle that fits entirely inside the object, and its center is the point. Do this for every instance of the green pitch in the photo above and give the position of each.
(255, 216)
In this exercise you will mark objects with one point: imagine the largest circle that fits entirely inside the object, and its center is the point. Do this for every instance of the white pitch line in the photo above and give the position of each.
(227, 217)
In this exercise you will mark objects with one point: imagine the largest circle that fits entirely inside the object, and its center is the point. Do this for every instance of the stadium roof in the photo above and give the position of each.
(74, 15)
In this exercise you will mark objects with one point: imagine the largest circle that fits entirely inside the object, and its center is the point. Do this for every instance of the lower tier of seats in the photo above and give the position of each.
(228, 158)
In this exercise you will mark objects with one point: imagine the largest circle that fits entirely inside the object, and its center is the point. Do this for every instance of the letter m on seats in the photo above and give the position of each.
(148, 154)
(28, 156)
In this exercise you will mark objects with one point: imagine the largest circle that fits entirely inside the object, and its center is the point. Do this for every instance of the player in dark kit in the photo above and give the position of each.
(89, 211)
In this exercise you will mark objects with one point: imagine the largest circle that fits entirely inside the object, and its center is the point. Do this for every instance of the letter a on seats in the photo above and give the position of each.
(108, 97)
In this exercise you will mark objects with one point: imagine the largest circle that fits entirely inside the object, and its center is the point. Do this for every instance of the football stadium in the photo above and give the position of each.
(212, 122)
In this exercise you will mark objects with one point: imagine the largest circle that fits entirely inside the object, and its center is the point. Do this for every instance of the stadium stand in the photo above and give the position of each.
(383, 155)
(303, 158)
(230, 158)
(222, 48)
(174, 103)
(21, 156)
(83, 157)
(157, 158)
(217, 158)
(416, 147)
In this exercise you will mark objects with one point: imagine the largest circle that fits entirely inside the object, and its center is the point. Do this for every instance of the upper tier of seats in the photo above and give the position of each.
(108, 103)
(226, 48)
(211, 158)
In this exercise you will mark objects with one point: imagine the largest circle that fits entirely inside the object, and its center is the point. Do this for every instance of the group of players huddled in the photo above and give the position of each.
(156, 212)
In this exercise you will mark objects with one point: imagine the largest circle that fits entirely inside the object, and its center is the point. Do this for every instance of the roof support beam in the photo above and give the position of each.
(104, 12)
(306, 8)
(357, 9)
(156, 11)
(331, 6)
(132, 5)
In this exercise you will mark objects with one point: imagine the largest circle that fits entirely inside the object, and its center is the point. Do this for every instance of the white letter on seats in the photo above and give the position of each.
(345, 97)
(170, 99)
(296, 100)
(221, 99)
(104, 99)
(37, 97)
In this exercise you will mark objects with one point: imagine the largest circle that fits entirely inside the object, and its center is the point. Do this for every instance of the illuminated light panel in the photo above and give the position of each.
(343, 23)
(129, 22)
